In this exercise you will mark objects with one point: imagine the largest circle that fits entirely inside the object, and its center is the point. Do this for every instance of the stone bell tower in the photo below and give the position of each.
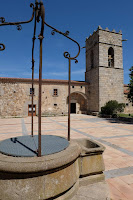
(104, 68)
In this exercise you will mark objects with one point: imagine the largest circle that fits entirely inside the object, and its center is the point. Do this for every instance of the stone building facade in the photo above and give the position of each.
(104, 68)
(15, 97)
(103, 82)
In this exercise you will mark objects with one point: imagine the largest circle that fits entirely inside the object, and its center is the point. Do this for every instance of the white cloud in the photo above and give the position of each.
(78, 72)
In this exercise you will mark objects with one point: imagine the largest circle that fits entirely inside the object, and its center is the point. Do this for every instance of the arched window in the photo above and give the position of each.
(110, 57)
(92, 59)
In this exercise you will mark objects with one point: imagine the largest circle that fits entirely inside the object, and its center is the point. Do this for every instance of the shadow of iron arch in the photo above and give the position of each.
(81, 101)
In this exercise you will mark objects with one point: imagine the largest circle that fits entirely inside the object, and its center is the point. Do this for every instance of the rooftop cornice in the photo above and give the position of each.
(44, 81)
(107, 30)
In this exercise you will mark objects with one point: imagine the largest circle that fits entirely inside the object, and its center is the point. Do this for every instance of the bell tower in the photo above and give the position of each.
(104, 68)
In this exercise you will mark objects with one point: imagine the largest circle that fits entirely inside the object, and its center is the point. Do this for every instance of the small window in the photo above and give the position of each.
(126, 104)
(72, 86)
(110, 57)
(55, 92)
(81, 86)
(31, 90)
(30, 108)
(92, 59)
(55, 104)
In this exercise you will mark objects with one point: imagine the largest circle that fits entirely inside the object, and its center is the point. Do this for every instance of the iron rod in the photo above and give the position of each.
(42, 14)
(21, 22)
(33, 39)
(32, 100)
(39, 101)
(69, 98)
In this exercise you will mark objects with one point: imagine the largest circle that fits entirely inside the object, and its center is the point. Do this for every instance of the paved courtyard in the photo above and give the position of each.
(116, 136)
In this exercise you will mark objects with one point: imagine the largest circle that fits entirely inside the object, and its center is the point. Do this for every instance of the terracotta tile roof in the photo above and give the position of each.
(126, 89)
(44, 81)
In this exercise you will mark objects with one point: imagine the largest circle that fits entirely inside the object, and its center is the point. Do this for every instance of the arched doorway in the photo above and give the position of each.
(78, 103)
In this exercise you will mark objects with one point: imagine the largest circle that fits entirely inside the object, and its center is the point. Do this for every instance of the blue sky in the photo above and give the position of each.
(79, 17)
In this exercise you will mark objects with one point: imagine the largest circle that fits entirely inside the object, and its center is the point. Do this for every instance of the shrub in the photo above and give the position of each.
(112, 107)
(130, 94)
(121, 107)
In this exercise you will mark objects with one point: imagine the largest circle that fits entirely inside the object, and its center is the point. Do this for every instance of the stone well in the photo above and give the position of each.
(55, 176)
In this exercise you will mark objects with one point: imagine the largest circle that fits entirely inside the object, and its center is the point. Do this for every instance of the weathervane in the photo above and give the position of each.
(39, 15)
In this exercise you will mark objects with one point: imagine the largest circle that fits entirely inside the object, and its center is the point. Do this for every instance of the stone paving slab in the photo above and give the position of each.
(119, 172)
(97, 191)
(116, 136)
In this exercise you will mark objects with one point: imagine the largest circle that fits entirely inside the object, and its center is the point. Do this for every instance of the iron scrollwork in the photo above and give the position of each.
(2, 47)
(66, 54)
(18, 24)
(2, 19)
(52, 32)
(66, 33)
(19, 27)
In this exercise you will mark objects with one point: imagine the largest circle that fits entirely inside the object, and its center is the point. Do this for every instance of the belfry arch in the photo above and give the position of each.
(79, 103)
(110, 57)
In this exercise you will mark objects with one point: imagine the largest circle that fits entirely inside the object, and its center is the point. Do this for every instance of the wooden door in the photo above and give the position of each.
(30, 110)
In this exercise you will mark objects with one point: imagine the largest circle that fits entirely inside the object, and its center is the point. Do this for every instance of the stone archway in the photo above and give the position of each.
(78, 103)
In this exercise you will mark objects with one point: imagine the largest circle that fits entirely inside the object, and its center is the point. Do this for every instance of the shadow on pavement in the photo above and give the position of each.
(120, 120)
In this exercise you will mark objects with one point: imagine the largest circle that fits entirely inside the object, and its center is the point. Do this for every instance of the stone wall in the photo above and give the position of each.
(92, 46)
(92, 91)
(109, 39)
(110, 85)
(128, 105)
(110, 78)
(106, 83)
(92, 72)
(15, 97)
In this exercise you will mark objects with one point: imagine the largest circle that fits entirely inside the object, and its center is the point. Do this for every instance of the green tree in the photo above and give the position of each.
(130, 94)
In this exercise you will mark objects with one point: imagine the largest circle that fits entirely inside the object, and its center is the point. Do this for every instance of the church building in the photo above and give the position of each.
(103, 82)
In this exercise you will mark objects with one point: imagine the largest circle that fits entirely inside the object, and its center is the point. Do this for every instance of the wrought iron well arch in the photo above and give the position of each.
(39, 14)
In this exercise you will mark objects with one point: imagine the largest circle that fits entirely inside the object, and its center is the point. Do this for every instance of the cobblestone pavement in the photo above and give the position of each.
(116, 136)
